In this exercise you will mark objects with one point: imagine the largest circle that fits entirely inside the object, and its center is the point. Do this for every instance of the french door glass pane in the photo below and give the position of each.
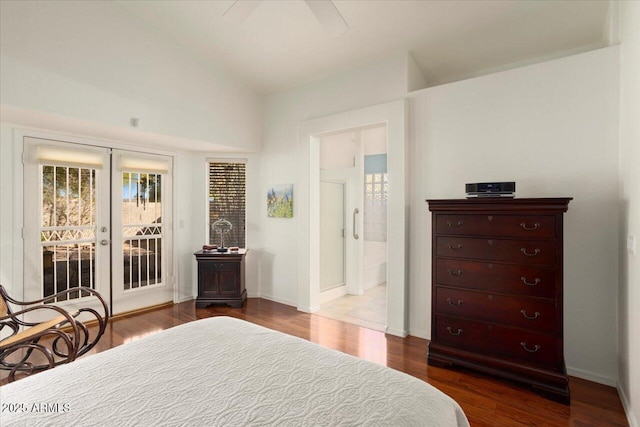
(142, 229)
(68, 228)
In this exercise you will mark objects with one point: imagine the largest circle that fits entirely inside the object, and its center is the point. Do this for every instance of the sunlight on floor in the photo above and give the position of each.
(140, 336)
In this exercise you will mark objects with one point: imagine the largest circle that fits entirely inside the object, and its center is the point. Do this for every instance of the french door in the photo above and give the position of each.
(96, 217)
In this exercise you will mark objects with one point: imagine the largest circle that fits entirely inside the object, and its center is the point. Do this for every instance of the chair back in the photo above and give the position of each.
(4, 307)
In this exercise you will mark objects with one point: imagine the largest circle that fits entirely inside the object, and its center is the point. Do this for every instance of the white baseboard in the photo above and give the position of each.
(253, 294)
(185, 298)
(397, 332)
(280, 300)
(633, 421)
(332, 294)
(309, 310)
(590, 376)
(418, 333)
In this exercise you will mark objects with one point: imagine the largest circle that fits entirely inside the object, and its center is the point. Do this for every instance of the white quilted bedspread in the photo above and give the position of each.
(224, 372)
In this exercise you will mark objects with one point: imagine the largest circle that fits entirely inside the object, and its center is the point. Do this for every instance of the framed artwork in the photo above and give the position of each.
(280, 201)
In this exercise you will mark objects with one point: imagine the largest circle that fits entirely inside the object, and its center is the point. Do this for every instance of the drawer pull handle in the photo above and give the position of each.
(456, 303)
(535, 348)
(456, 225)
(458, 332)
(526, 316)
(454, 273)
(454, 248)
(535, 226)
(535, 252)
(535, 281)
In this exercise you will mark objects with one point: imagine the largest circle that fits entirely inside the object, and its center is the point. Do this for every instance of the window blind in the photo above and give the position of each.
(149, 165)
(227, 200)
(58, 156)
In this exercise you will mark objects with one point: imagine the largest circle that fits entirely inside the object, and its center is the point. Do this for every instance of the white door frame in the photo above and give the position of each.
(159, 293)
(32, 256)
(353, 249)
(18, 199)
(394, 114)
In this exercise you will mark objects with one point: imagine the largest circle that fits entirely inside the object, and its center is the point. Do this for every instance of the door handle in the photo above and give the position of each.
(104, 242)
(356, 211)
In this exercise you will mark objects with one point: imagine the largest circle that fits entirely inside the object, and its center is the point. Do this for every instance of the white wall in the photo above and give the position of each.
(91, 61)
(280, 157)
(197, 169)
(629, 298)
(375, 140)
(552, 128)
(7, 238)
(338, 150)
(84, 69)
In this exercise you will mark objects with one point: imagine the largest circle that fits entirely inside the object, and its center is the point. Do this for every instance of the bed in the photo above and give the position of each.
(223, 371)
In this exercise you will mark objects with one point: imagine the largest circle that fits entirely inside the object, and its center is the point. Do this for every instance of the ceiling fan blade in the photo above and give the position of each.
(240, 10)
(329, 16)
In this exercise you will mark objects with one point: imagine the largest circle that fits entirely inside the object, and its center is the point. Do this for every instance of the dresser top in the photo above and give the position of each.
(555, 204)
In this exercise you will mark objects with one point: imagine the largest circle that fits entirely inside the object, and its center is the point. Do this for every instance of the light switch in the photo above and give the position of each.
(631, 244)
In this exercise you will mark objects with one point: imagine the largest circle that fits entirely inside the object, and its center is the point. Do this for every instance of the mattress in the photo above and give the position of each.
(224, 372)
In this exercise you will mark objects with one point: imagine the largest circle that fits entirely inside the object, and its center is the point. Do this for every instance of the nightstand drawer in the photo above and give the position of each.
(515, 251)
(504, 278)
(521, 312)
(219, 266)
(522, 226)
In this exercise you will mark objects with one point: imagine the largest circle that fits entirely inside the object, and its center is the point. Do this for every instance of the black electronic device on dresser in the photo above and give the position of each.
(497, 275)
(221, 278)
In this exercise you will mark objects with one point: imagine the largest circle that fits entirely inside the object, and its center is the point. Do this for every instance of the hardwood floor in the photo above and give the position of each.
(486, 401)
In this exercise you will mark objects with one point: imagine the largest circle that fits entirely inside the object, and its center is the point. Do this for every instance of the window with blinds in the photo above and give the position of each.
(227, 200)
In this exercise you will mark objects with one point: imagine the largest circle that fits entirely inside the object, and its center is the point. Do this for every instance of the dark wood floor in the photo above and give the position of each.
(486, 401)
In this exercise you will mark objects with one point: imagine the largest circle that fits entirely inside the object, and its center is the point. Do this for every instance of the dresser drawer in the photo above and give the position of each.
(503, 278)
(498, 341)
(463, 334)
(516, 251)
(521, 226)
(522, 312)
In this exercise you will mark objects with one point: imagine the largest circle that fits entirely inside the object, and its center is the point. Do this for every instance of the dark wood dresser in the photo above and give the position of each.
(497, 289)
(221, 278)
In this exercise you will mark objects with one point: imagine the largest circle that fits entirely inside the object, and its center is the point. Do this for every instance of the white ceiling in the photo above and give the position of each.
(281, 44)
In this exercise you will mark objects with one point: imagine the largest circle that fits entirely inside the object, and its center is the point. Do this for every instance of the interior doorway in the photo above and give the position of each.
(394, 115)
(353, 243)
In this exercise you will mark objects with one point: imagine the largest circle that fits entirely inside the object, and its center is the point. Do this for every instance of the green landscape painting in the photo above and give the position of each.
(280, 201)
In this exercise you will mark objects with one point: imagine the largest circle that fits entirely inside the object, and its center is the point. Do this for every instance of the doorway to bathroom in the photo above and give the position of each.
(353, 226)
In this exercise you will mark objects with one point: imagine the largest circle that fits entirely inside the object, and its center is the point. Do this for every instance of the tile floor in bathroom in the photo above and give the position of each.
(368, 310)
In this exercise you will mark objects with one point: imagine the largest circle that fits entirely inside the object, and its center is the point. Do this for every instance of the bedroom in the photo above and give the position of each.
(573, 107)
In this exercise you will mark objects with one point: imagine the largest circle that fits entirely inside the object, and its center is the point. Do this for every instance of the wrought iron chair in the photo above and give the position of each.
(42, 345)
